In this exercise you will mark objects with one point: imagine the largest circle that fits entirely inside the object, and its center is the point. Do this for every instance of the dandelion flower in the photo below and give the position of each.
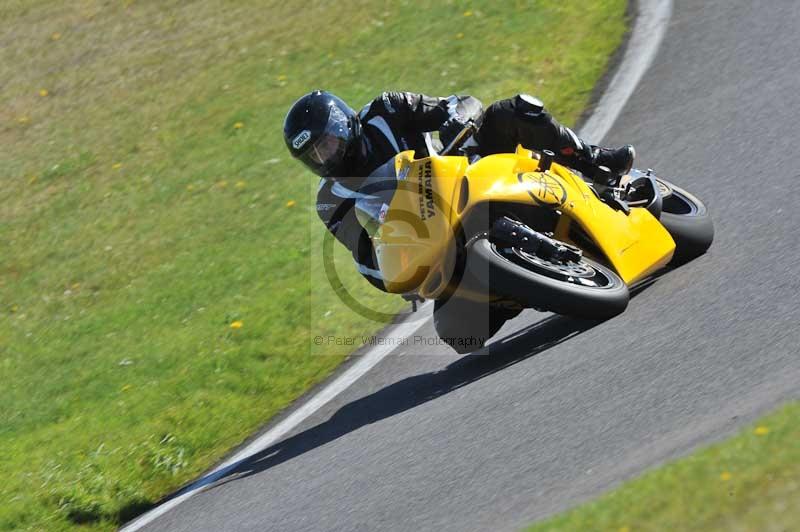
(56, 36)
(238, 125)
(725, 476)
(240, 184)
(467, 13)
(23, 120)
(43, 92)
(238, 324)
(282, 77)
(761, 431)
(624, 529)
(291, 203)
(116, 166)
(459, 35)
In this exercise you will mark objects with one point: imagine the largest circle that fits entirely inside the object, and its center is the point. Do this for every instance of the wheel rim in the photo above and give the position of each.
(581, 273)
(676, 202)
(664, 189)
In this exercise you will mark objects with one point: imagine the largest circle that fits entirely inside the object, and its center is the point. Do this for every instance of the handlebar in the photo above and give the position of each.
(462, 136)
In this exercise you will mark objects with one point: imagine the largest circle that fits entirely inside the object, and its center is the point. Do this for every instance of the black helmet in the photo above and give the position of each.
(321, 130)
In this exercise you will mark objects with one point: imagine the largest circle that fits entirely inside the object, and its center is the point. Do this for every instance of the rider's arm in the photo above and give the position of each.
(337, 212)
(416, 111)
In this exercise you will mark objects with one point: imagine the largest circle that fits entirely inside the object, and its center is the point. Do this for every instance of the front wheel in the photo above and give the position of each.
(583, 289)
(688, 222)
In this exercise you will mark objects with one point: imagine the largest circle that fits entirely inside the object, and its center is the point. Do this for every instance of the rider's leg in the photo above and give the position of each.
(524, 120)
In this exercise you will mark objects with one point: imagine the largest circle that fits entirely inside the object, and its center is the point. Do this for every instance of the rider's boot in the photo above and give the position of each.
(604, 166)
(618, 160)
(586, 158)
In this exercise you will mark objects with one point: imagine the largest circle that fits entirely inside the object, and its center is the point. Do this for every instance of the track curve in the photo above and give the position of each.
(563, 410)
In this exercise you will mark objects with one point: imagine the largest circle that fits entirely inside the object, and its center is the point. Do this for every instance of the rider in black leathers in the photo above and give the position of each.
(344, 147)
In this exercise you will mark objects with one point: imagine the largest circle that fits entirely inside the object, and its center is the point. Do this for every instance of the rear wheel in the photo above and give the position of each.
(583, 289)
(688, 222)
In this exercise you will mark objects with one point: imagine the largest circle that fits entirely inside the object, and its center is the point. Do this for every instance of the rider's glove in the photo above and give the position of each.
(451, 128)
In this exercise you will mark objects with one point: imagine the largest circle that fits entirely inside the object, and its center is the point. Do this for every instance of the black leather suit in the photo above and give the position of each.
(397, 121)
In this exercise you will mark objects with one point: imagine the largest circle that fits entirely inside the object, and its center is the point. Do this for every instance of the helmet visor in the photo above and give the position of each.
(326, 153)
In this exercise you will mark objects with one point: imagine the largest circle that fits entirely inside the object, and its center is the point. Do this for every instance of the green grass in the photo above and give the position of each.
(147, 203)
(750, 482)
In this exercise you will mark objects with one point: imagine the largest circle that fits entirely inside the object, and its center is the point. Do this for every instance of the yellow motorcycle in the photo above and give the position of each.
(525, 230)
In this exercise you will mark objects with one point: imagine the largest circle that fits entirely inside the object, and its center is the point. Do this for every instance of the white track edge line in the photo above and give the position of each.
(648, 32)
(649, 29)
(365, 363)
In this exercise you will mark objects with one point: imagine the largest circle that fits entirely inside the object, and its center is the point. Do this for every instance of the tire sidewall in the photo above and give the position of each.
(693, 234)
(533, 289)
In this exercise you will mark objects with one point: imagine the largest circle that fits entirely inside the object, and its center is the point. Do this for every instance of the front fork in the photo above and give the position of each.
(518, 235)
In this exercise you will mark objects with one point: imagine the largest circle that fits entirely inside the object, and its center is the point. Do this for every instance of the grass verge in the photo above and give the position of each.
(750, 482)
(154, 283)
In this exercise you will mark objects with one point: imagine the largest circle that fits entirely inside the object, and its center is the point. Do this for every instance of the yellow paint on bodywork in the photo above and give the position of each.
(415, 245)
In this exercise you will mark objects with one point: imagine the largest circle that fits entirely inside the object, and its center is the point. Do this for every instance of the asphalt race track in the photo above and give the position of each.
(563, 410)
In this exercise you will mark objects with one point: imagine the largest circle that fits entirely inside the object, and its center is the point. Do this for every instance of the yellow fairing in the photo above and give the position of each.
(636, 245)
(415, 245)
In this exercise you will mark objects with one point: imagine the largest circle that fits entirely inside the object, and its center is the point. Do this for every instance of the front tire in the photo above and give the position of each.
(688, 222)
(582, 289)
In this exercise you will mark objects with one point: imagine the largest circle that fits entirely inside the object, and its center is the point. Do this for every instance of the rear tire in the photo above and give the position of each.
(585, 290)
(688, 222)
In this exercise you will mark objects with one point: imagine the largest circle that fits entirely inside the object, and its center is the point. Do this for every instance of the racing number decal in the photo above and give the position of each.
(544, 188)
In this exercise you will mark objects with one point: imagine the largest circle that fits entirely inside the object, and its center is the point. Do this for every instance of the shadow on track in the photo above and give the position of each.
(406, 394)
(414, 391)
